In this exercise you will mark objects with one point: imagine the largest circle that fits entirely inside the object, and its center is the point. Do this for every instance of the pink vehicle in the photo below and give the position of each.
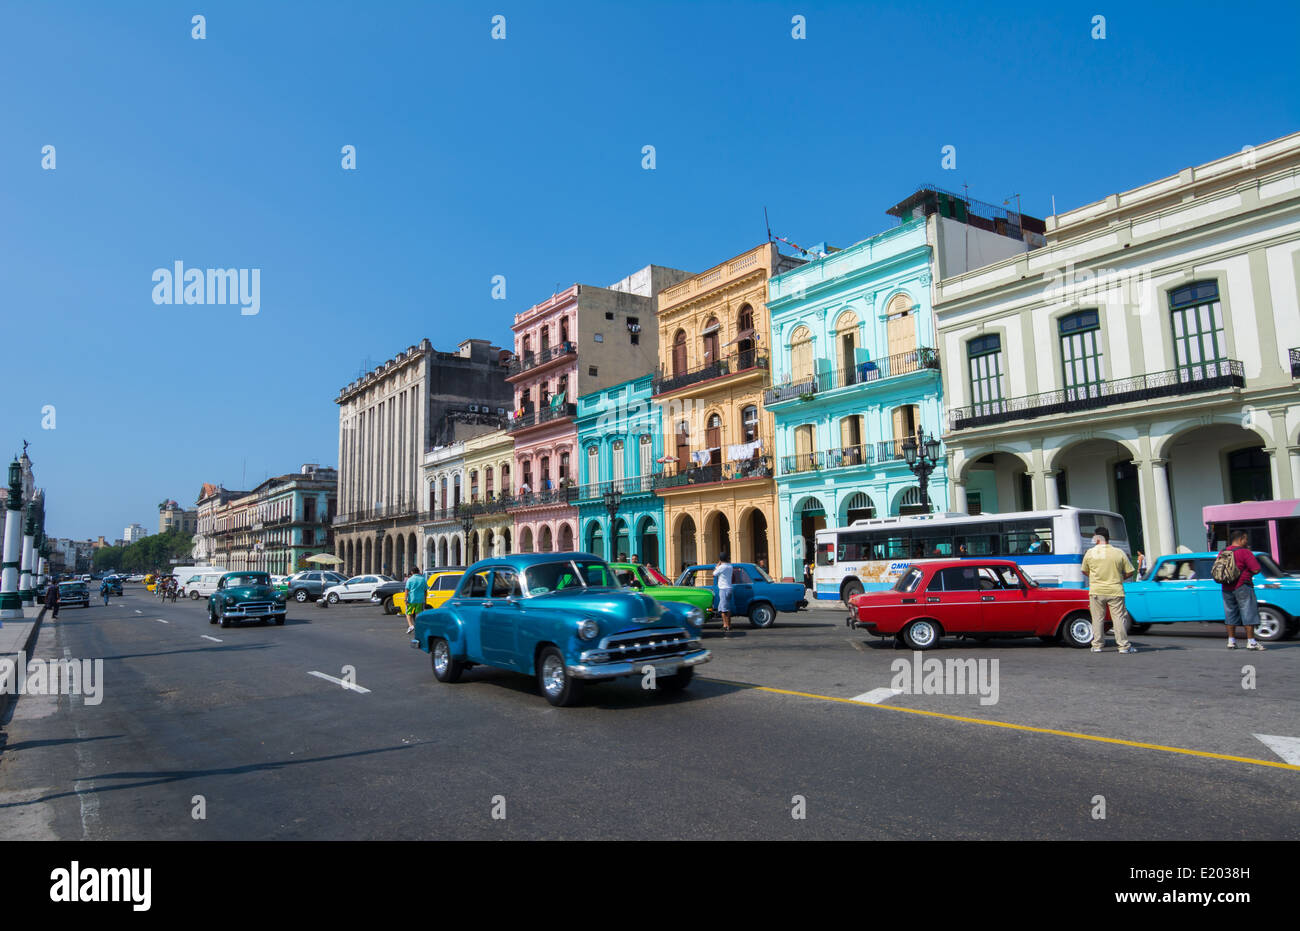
(1274, 527)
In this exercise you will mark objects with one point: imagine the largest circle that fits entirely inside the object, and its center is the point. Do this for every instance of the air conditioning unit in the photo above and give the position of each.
(501, 410)
(473, 408)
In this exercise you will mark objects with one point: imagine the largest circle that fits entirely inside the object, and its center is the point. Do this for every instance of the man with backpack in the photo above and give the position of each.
(1235, 569)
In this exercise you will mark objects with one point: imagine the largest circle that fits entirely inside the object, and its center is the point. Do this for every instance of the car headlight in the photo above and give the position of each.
(588, 629)
(695, 617)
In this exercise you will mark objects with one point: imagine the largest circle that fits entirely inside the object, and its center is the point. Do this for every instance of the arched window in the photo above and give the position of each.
(712, 331)
(487, 482)
(1197, 321)
(564, 330)
(900, 330)
(679, 353)
(846, 338)
(593, 464)
(801, 354)
(473, 485)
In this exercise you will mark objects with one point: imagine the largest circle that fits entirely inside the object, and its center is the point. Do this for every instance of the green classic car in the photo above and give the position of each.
(245, 596)
(647, 579)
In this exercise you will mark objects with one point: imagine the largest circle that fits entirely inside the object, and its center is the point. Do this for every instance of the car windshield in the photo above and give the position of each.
(73, 586)
(1271, 569)
(909, 580)
(247, 578)
(762, 573)
(568, 575)
(655, 576)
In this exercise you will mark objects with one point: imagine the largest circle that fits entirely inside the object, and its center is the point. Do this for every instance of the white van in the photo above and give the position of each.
(201, 583)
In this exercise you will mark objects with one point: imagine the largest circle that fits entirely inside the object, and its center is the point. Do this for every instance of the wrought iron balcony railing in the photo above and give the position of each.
(742, 470)
(1295, 363)
(803, 462)
(749, 360)
(633, 485)
(544, 415)
(565, 495)
(1184, 380)
(531, 360)
(864, 373)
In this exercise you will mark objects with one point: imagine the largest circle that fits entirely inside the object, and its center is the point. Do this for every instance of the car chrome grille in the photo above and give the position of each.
(643, 644)
(256, 607)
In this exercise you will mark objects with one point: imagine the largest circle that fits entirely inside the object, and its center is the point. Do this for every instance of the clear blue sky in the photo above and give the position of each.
(520, 158)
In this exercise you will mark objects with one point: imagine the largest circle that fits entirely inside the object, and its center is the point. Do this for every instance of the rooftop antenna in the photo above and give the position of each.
(1007, 202)
(1053, 205)
(769, 225)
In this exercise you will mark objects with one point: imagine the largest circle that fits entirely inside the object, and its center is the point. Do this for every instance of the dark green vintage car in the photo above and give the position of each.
(245, 596)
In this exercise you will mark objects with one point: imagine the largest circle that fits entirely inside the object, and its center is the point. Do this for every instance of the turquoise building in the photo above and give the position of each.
(619, 440)
(855, 374)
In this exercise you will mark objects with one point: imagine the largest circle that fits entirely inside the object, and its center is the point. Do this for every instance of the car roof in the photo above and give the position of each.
(968, 561)
(524, 560)
(1206, 555)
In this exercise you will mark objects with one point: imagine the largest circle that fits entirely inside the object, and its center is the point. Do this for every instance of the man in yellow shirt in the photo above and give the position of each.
(1106, 568)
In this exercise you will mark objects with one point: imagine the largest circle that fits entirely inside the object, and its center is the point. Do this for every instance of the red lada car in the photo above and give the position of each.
(979, 598)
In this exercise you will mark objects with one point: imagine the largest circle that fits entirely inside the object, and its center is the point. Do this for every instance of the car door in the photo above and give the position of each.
(953, 598)
(742, 590)
(467, 605)
(1176, 593)
(1007, 606)
(500, 618)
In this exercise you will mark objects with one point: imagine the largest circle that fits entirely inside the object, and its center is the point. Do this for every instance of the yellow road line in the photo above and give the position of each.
(1018, 727)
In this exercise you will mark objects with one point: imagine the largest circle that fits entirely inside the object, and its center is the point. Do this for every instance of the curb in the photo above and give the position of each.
(7, 700)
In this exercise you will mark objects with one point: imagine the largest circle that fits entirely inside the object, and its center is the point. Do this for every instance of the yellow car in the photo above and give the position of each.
(441, 587)
(150, 581)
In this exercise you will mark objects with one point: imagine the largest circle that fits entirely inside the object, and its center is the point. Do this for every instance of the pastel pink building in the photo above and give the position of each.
(581, 340)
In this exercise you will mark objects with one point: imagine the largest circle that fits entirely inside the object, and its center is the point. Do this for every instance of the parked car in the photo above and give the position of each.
(1178, 587)
(650, 581)
(563, 618)
(982, 599)
(74, 593)
(442, 585)
(308, 585)
(357, 588)
(754, 593)
(245, 596)
(114, 584)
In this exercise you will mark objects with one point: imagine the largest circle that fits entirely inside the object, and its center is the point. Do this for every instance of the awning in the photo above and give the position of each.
(743, 335)
(711, 329)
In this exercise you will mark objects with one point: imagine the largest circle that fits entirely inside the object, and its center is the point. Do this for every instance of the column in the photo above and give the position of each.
(11, 605)
(959, 497)
(1164, 509)
(25, 591)
(1052, 496)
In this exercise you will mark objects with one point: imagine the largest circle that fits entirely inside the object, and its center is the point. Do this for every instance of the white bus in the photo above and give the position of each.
(870, 555)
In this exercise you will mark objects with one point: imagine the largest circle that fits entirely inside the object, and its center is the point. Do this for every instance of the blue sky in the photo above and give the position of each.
(519, 158)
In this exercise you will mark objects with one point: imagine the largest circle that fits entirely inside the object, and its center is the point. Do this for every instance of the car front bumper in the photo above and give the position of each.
(662, 664)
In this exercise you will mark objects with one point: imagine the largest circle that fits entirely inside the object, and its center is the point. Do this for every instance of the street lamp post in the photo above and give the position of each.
(466, 524)
(922, 457)
(613, 498)
(11, 603)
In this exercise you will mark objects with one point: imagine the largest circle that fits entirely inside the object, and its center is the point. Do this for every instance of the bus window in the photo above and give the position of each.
(897, 546)
(1027, 537)
(932, 543)
(1090, 521)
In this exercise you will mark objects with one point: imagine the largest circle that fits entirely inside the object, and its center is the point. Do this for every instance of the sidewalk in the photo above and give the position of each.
(17, 636)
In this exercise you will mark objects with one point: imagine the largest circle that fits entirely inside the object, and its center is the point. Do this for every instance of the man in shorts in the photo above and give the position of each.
(417, 588)
(1240, 607)
(722, 575)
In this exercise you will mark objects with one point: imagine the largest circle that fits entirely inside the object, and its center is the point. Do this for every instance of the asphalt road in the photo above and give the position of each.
(232, 722)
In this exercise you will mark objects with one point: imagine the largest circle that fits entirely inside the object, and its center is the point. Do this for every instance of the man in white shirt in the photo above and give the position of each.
(722, 575)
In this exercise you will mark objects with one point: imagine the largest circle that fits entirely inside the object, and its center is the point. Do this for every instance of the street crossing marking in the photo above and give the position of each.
(876, 696)
(138, 611)
(1288, 748)
(1204, 754)
(347, 685)
(162, 620)
(213, 639)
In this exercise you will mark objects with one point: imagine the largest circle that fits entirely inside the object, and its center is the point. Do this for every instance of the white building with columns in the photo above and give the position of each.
(1144, 361)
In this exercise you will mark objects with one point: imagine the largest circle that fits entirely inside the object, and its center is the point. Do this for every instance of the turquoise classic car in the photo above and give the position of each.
(245, 596)
(1178, 587)
(563, 618)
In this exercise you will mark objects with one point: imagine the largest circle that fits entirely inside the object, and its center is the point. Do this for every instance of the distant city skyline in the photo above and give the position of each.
(490, 173)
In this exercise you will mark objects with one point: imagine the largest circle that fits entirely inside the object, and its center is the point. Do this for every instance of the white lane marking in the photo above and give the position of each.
(876, 696)
(213, 639)
(138, 611)
(162, 620)
(1288, 748)
(87, 797)
(347, 685)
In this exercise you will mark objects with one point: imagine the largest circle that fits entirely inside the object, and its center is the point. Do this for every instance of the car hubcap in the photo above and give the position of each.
(553, 675)
(301, 596)
(1081, 631)
(1268, 624)
(441, 659)
(923, 634)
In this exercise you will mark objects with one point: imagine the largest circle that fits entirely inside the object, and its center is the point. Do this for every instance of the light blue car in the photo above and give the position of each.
(1179, 587)
(564, 618)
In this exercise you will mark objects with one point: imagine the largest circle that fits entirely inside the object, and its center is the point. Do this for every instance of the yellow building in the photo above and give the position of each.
(488, 491)
(718, 486)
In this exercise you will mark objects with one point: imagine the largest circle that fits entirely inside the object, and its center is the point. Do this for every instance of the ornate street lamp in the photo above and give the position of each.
(466, 524)
(613, 498)
(922, 459)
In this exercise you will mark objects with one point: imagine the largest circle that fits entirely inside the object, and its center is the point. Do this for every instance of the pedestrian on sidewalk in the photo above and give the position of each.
(104, 590)
(1107, 567)
(417, 588)
(1235, 569)
(51, 602)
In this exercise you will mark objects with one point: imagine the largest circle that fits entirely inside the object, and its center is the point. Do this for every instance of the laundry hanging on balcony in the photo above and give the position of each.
(702, 457)
(738, 451)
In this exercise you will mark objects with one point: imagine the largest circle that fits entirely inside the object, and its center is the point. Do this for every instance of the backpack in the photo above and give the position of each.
(1225, 570)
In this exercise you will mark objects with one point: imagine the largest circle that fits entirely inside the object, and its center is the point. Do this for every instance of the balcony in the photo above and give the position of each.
(532, 360)
(1189, 379)
(892, 450)
(749, 361)
(567, 495)
(1295, 362)
(550, 412)
(842, 457)
(741, 471)
(901, 363)
(635, 485)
